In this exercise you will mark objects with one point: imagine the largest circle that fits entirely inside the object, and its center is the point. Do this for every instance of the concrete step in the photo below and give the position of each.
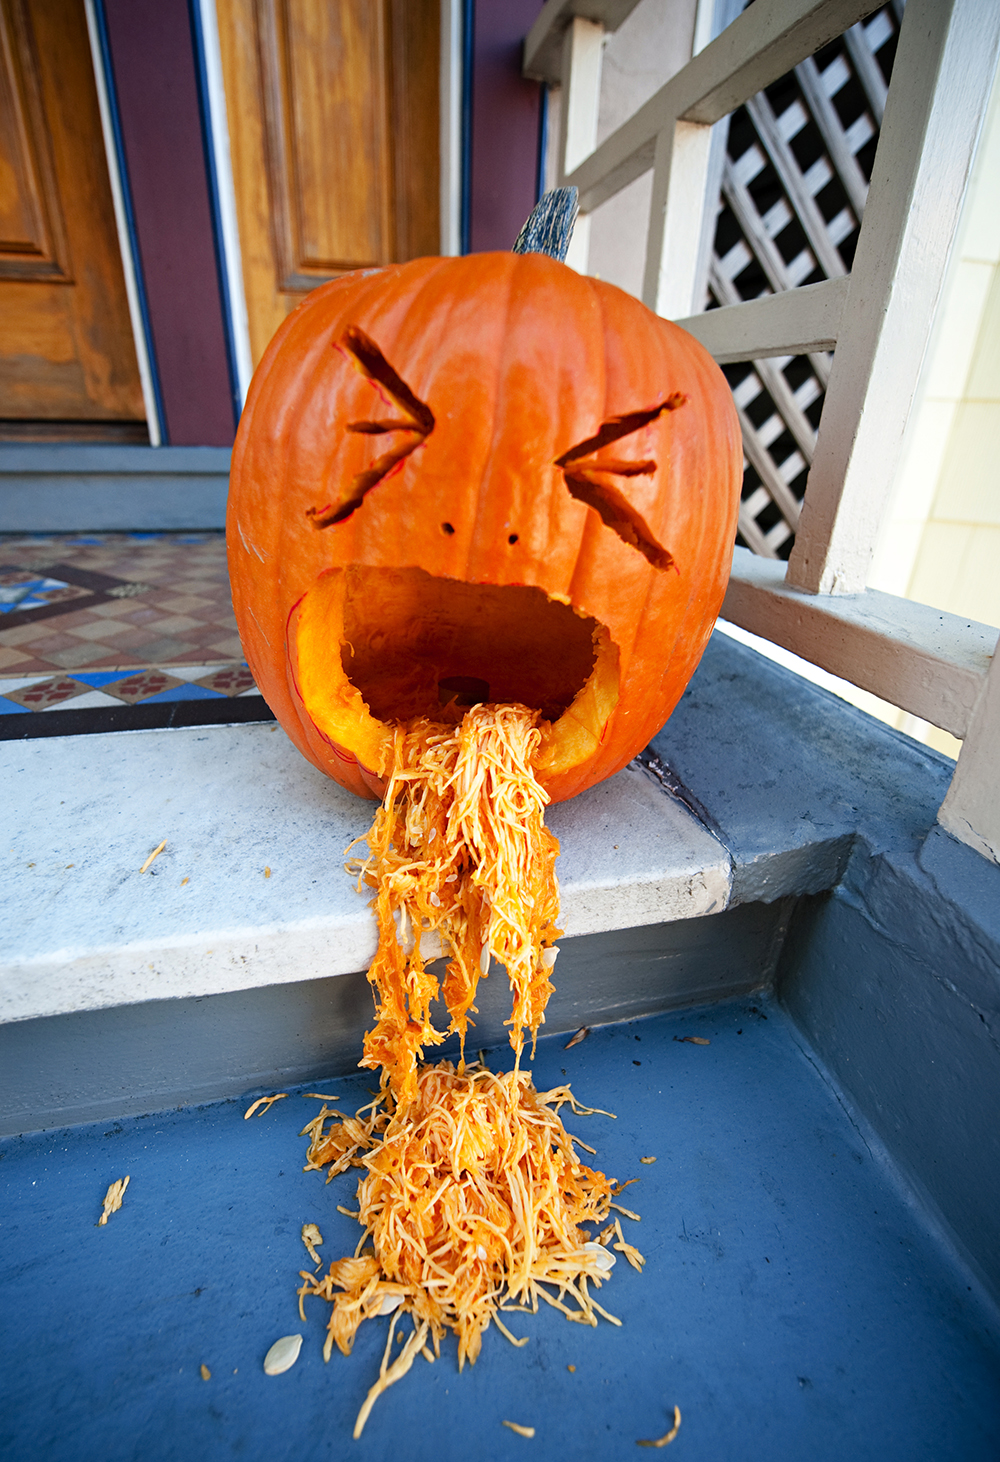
(72, 487)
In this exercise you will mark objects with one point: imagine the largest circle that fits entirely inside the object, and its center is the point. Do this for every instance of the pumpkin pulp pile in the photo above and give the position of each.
(473, 1196)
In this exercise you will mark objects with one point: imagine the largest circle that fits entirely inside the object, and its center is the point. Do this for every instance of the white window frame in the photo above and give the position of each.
(937, 666)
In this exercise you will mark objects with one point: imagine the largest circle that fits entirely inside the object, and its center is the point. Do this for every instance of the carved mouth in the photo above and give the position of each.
(374, 646)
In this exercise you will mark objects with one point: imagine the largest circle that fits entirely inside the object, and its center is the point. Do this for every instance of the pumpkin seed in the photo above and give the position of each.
(282, 1355)
(602, 1258)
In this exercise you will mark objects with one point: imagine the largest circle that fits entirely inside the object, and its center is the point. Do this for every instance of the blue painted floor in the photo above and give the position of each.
(792, 1305)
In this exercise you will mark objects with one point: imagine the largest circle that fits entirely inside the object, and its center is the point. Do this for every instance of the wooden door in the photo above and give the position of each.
(334, 137)
(66, 347)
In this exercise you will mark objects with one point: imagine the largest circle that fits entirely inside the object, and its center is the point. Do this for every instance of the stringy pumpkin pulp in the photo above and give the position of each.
(459, 849)
(473, 1196)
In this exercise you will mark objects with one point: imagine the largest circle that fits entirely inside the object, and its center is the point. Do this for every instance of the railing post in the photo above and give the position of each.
(941, 82)
(971, 810)
(582, 49)
(680, 184)
(879, 318)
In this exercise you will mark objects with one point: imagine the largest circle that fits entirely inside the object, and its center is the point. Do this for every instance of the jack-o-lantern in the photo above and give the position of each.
(480, 478)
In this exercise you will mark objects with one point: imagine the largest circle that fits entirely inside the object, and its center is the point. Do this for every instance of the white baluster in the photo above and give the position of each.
(582, 49)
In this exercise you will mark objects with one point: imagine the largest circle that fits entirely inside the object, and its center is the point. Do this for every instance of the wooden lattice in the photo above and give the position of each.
(794, 180)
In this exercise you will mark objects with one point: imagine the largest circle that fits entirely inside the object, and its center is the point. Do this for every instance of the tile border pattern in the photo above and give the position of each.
(86, 701)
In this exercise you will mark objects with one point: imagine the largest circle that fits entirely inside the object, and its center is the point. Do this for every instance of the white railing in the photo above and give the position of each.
(935, 665)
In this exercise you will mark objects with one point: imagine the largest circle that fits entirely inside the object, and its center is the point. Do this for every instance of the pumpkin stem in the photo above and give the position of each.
(550, 224)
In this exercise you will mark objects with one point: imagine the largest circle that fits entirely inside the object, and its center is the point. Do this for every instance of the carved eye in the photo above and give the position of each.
(416, 422)
(591, 481)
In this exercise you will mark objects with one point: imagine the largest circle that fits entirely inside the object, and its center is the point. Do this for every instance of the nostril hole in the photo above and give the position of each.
(447, 528)
(512, 538)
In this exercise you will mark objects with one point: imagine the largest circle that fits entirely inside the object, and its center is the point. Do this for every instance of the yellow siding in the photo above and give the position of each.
(941, 541)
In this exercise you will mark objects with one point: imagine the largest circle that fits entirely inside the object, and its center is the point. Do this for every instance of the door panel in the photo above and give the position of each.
(66, 348)
(329, 158)
(333, 122)
(32, 233)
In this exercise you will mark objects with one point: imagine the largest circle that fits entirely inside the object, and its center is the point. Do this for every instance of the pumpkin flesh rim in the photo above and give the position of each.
(346, 604)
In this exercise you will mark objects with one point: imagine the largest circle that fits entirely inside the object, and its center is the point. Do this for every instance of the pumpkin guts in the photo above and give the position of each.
(459, 849)
(473, 1196)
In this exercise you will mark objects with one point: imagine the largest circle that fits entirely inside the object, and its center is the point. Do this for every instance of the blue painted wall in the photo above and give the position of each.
(894, 972)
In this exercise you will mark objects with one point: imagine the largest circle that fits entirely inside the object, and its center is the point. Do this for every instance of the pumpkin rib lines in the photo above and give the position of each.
(577, 574)
(626, 644)
(682, 615)
(472, 546)
(419, 339)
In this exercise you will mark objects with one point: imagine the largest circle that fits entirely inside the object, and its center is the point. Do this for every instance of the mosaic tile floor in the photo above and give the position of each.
(119, 631)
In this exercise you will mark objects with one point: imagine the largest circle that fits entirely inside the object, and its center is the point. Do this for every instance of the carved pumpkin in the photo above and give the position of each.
(483, 478)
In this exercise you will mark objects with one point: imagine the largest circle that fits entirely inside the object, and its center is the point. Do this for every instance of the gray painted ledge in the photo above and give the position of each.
(101, 488)
(84, 930)
(793, 776)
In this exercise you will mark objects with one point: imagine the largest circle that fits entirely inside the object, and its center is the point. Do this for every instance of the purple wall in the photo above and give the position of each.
(152, 55)
(506, 114)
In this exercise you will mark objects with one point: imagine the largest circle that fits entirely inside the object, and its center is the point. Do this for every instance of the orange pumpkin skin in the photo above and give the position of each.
(522, 523)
